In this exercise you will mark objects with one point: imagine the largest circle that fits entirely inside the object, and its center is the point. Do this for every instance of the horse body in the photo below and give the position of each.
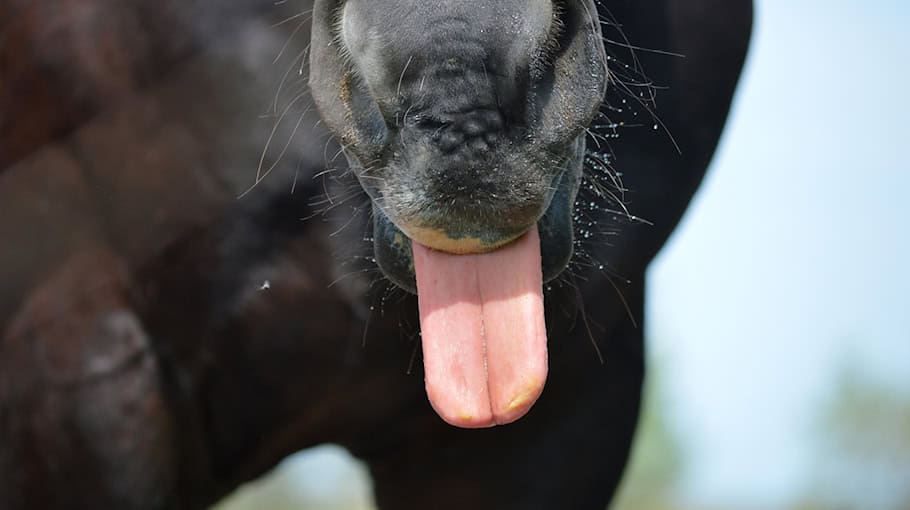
(163, 341)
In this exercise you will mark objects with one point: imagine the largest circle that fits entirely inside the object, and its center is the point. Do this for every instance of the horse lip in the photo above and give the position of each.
(392, 247)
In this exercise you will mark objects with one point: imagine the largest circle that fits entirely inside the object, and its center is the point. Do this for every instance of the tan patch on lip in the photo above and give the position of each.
(440, 241)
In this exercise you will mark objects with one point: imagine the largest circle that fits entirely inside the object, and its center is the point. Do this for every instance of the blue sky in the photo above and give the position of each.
(793, 260)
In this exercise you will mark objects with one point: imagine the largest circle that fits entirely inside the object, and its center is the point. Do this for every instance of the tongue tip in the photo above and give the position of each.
(468, 421)
(482, 413)
(521, 400)
(460, 414)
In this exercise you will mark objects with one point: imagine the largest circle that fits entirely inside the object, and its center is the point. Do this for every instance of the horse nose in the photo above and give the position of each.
(474, 130)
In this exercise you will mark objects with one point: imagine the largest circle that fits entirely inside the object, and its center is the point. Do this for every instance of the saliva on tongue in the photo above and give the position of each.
(483, 332)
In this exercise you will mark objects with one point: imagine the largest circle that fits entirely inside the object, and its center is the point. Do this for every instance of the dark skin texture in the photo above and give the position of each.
(143, 367)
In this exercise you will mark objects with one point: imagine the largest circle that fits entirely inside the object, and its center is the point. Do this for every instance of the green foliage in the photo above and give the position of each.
(652, 478)
(863, 441)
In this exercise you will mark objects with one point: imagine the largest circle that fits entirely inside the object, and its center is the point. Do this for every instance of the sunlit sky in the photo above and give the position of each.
(793, 261)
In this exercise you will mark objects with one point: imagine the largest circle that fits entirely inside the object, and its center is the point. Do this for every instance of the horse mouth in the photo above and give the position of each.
(481, 306)
(393, 241)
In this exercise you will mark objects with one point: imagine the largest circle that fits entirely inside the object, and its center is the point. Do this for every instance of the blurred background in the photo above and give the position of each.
(778, 323)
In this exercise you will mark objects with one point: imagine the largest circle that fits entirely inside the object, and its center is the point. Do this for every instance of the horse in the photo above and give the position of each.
(233, 230)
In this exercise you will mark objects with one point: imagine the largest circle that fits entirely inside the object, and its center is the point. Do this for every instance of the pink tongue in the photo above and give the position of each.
(484, 337)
